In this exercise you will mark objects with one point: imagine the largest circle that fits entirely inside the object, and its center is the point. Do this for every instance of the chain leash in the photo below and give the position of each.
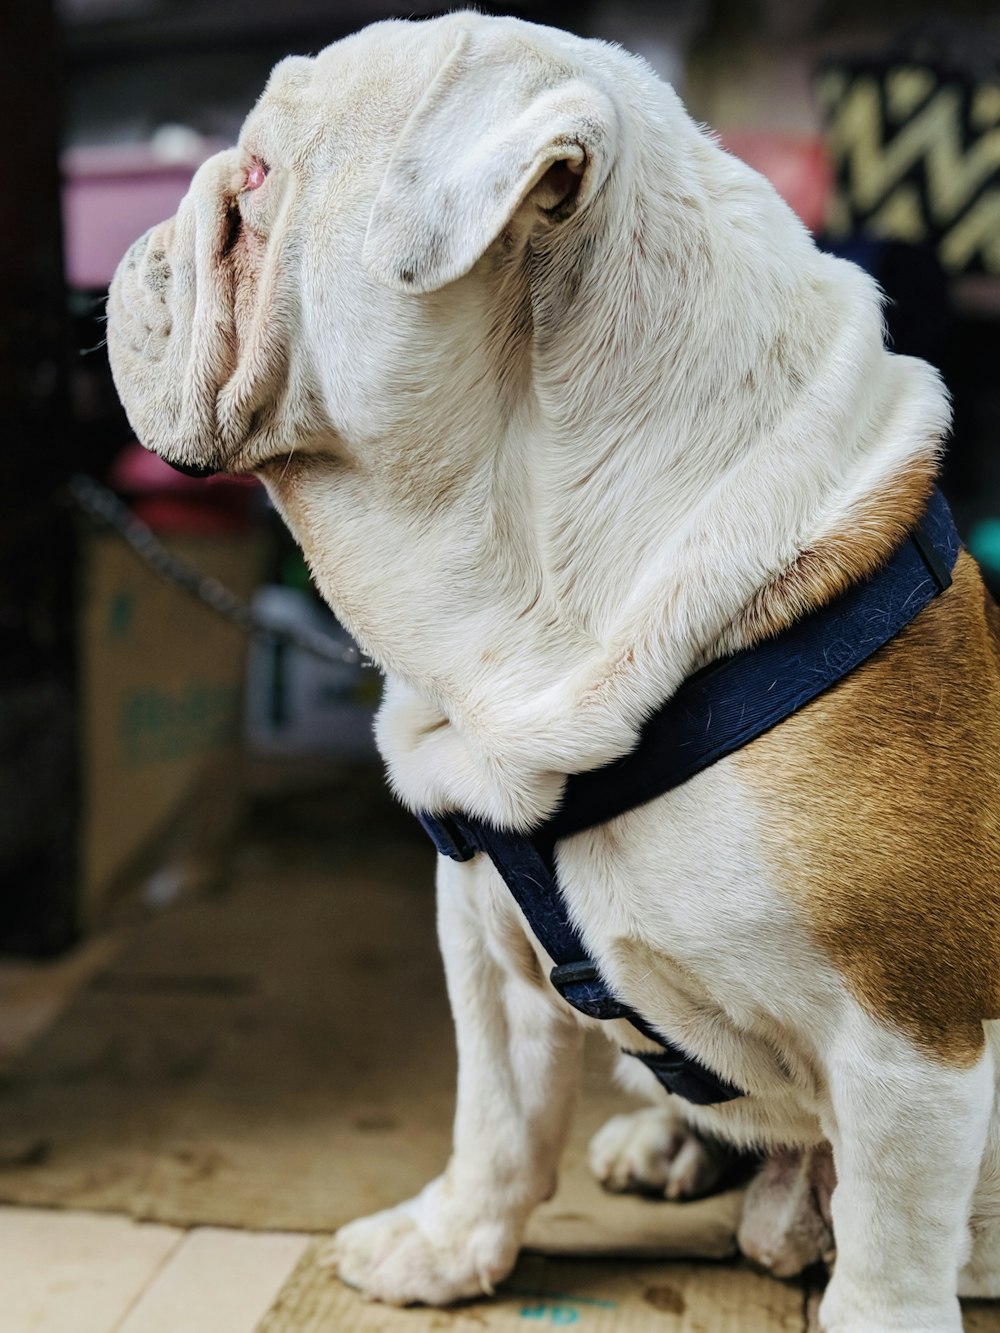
(101, 504)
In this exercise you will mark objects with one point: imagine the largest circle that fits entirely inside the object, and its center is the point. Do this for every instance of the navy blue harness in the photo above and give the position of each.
(720, 709)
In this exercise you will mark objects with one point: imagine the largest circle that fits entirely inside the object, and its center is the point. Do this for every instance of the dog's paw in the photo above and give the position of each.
(654, 1152)
(390, 1257)
(786, 1223)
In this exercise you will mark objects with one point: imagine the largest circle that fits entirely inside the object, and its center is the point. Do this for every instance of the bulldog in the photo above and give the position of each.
(563, 403)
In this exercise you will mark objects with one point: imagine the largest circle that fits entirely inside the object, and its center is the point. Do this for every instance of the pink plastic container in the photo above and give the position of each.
(111, 195)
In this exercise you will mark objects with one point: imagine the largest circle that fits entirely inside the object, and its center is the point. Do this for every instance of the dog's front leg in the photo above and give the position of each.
(908, 1136)
(518, 1054)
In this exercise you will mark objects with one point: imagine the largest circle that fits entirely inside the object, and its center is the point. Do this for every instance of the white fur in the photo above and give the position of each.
(540, 461)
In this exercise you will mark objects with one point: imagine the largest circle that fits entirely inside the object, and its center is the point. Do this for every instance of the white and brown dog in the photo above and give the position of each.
(562, 402)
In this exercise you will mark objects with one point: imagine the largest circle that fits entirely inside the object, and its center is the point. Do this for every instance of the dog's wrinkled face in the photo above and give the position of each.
(275, 313)
(210, 312)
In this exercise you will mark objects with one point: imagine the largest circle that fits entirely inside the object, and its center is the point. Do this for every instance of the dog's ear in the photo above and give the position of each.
(501, 133)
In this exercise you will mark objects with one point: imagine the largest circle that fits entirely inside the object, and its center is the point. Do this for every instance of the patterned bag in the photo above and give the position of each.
(914, 136)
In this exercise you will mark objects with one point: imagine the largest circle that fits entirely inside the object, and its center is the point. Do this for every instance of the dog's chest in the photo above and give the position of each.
(678, 905)
(675, 904)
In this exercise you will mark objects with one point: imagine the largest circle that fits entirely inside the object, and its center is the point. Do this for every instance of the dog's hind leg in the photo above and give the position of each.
(518, 1055)
(981, 1275)
(908, 1134)
(655, 1151)
(786, 1224)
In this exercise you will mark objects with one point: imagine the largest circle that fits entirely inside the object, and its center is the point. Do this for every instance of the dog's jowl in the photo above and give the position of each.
(563, 404)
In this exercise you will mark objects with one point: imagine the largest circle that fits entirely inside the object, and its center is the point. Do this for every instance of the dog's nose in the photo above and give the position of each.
(192, 470)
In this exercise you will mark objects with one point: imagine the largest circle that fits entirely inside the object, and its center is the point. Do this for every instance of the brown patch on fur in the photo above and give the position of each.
(879, 808)
(877, 528)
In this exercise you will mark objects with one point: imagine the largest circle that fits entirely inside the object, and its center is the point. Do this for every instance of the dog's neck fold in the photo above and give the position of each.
(699, 437)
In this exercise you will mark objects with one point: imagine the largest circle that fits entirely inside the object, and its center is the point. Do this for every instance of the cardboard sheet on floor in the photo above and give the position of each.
(281, 1057)
(543, 1293)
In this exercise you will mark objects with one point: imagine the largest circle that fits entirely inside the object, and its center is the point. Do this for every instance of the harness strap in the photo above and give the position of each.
(531, 879)
(731, 702)
(715, 712)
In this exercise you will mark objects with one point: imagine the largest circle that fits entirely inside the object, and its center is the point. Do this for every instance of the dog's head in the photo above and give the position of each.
(520, 353)
(290, 305)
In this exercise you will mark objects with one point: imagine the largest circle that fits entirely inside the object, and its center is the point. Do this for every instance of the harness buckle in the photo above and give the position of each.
(449, 837)
(566, 974)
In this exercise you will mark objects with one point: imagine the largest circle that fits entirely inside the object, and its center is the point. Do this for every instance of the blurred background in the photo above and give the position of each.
(189, 793)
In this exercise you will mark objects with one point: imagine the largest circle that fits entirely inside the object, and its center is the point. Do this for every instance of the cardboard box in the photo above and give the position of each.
(161, 679)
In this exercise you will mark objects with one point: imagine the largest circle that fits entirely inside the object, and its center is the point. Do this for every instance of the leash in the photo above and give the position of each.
(102, 505)
(717, 711)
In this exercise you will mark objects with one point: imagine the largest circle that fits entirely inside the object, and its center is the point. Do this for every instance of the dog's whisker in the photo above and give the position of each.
(288, 462)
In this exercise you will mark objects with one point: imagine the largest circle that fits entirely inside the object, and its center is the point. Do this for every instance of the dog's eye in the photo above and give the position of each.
(257, 174)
